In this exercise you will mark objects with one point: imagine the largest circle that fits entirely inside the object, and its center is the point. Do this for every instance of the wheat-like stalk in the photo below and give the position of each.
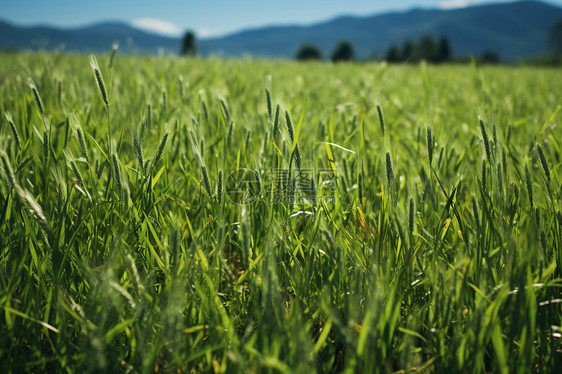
(291, 131)
(360, 187)
(225, 109)
(476, 214)
(219, 187)
(486, 140)
(429, 145)
(484, 187)
(529, 183)
(230, 133)
(46, 146)
(389, 171)
(34, 208)
(80, 136)
(14, 129)
(114, 49)
(500, 178)
(160, 150)
(276, 122)
(116, 172)
(381, 118)
(205, 111)
(544, 164)
(99, 79)
(137, 148)
(25, 197)
(268, 100)
(411, 216)
(8, 172)
(36, 95)
(205, 178)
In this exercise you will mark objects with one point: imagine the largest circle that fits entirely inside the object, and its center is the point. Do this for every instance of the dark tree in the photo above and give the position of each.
(408, 51)
(308, 52)
(188, 44)
(444, 50)
(489, 57)
(343, 52)
(427, 49)
(555, 38)
(392, 54)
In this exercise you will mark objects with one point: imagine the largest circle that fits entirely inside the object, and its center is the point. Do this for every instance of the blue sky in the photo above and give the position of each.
(206, 17)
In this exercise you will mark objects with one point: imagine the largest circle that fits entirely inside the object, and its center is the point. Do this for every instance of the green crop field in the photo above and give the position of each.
(171, 215)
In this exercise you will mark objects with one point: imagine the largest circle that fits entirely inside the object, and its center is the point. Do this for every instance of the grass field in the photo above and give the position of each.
(219, 231)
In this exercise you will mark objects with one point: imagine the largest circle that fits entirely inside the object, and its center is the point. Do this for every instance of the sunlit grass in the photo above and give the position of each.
(427, 234)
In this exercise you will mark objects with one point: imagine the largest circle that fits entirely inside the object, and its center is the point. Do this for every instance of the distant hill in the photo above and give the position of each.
(95, 38)
(514, 30)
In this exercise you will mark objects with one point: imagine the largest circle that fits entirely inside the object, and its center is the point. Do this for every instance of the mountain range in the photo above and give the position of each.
(513, 30)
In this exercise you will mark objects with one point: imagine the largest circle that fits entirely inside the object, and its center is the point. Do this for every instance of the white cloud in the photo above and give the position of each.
(157, 26)
(206, 33)
(454, 4)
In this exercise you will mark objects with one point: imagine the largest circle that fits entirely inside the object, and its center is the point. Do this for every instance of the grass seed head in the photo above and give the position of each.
(113, 53)
(429, 146)
(205, 111)
(381, 118)
(289, 124)
(8, 171)
(14, 129)
(389, 172)
(543, 162)
(205, 179)
(268, 99)
(99, 170)
(476, 213)
(515, 191)
(486, 140)
(36, 96)
(46, 146)
(276, 122)
(504, 162)
(77, 174)
(411, 216)
(80, 136)
(137, 147)
(116, 172)
(34, 209)
(230, 133)
(195, 148)
(219, 187)
(298, 159)
(500, 178)
(225, 109)
(484, 187)
(529, 183)
(360, 187)
(99, 79)
(160, 150)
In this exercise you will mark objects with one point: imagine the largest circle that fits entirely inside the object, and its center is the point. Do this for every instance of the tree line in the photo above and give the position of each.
(426, 48)
(344, 51)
